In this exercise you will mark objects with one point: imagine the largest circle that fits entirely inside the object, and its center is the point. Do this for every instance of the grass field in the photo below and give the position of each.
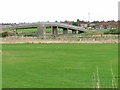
(59, 65)
(30, 30)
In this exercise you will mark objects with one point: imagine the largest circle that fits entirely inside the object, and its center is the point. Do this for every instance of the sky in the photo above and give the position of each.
(16, 11)
(119, 10)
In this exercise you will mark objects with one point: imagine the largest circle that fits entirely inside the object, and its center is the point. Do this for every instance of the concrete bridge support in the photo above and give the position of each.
(74, 31)
(65, 31)
(15, 31)
(41, 30)
(55, 30)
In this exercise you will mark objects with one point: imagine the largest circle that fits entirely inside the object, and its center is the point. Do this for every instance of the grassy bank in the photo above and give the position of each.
(59, 65)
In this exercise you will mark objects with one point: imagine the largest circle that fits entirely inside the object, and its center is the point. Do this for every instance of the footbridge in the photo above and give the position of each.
(43, 25)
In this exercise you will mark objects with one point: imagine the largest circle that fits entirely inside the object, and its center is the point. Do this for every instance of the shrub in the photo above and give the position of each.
(112, 31)
(4, 34)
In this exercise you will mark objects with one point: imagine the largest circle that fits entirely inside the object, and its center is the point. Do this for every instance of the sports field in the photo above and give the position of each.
(59, 65)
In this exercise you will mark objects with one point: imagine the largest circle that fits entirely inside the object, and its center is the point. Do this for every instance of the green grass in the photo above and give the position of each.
(29, 30)
(33, 30)
(58, 65)
(0, 67)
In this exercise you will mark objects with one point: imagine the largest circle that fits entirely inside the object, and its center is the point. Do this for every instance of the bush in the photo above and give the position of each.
(4, 34)
(112, 31)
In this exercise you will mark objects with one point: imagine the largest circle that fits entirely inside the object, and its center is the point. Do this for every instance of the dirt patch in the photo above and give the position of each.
(11, 40)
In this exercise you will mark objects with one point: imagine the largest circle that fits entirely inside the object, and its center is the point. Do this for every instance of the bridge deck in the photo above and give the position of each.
(45, 24)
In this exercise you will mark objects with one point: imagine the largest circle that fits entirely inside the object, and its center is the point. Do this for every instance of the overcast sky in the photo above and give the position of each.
(15, 11)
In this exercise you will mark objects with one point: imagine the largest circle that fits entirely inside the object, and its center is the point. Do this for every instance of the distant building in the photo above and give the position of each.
(105, 25)
(95, 24)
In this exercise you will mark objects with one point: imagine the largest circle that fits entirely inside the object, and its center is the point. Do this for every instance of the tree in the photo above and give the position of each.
(78, 22)
(75, 23)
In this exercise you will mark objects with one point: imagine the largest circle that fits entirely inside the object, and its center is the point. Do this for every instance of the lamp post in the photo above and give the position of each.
(88, 20)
